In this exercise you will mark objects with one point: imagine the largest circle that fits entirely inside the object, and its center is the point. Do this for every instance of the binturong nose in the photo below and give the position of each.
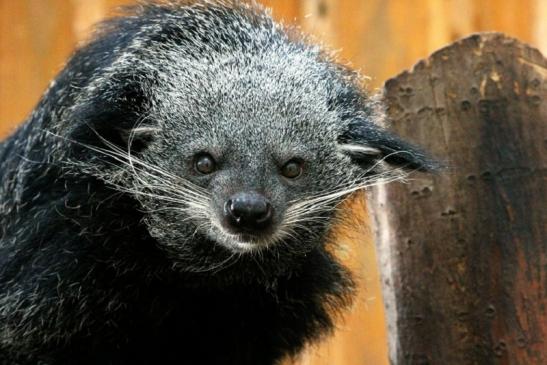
(248, 212)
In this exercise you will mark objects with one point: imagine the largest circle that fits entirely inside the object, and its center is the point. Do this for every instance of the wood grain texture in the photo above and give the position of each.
(465, 252)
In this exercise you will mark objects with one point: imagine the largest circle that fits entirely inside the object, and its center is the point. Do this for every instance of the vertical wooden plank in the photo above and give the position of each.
(513, 17)
(540, 25)
(286, 11)
(86, 14)
(461, 15)
(439, 31)
(466, 249)
(36, 37)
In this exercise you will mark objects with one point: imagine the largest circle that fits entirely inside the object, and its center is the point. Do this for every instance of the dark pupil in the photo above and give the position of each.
(205, 164)
(291, 169)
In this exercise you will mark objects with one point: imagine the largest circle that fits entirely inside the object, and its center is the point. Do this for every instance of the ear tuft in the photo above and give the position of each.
(360, 150)
(137, 138)
(113, 118)
(366, 144)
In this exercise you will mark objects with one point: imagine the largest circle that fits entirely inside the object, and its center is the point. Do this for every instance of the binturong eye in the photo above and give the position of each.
(292, 169)
(204, 163)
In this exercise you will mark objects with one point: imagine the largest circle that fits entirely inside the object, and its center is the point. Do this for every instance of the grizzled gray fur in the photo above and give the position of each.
(169, 199)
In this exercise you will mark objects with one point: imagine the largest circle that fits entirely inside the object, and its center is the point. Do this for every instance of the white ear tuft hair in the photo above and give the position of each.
(356, 149)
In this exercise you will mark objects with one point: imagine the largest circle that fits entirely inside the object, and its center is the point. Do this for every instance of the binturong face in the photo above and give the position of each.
(241, 152)
(258, 147)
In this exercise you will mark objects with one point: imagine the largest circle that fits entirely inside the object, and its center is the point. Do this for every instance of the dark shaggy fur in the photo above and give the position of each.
(111, 248)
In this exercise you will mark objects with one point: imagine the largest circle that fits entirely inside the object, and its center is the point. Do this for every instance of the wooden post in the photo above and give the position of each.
(463, 253)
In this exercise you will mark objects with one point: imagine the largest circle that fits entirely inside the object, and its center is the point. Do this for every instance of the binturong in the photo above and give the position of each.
(170, 198)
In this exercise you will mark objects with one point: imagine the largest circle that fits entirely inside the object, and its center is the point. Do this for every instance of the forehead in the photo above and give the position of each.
(260, 99)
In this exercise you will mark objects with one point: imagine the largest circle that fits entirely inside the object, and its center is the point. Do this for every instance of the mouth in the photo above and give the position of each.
(247, 242)
(243, 242)
(244, 247)
(250, 234)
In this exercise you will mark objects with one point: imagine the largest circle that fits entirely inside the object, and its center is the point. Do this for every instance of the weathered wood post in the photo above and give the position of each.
(464, 253)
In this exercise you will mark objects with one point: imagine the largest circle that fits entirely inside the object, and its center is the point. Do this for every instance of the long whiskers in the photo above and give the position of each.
(309, 210)
(150, 181)
(163, 192)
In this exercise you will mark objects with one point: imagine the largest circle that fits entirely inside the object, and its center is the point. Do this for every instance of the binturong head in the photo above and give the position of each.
(233, 133)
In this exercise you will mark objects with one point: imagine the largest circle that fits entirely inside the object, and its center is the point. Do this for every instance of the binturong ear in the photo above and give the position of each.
(368, 145)
(114, 119)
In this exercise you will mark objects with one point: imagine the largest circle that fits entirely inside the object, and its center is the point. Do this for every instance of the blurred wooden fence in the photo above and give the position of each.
(380, 37)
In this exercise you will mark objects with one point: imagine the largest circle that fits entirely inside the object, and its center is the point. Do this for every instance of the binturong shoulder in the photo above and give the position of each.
(171, 195)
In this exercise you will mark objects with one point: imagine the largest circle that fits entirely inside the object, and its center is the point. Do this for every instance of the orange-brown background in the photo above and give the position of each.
(380, 37)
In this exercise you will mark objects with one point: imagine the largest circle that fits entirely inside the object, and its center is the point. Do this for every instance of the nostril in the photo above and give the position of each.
(265, 214)
(231, 211)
